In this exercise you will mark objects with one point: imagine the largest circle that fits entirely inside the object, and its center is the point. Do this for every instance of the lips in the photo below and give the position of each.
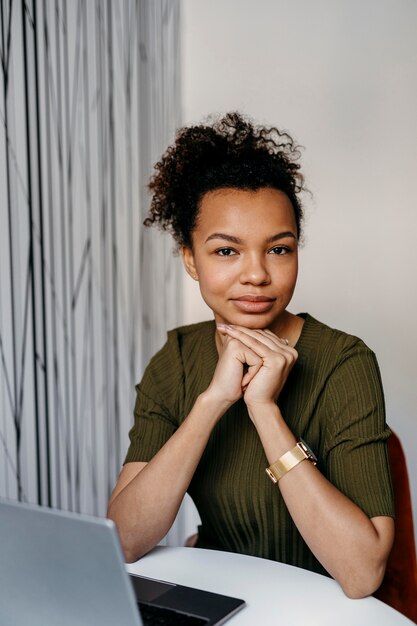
(249, 298)
(253, 304)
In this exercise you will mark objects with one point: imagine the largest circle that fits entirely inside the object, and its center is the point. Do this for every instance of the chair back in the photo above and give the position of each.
(399, 587)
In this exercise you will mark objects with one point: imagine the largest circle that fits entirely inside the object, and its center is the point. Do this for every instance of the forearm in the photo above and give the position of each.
(339, 534)
(146, 507)
(337, 531)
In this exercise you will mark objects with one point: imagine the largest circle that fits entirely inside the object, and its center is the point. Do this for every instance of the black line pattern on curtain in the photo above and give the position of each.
(89, 99)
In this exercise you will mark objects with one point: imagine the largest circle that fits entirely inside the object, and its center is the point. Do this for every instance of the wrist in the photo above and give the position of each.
(273, 431)
(212, 405)
(290, 459)
(261, 411)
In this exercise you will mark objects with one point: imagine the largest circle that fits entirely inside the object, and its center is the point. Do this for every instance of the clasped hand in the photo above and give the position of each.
(253, 363)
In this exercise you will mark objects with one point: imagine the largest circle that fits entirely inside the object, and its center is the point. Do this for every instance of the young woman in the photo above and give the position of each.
(258, 387)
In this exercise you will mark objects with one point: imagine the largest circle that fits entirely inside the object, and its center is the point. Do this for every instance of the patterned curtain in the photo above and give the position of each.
(89, 100)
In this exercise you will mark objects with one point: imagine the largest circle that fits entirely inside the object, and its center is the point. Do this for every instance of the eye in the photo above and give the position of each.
(279, 250)
(225, 252)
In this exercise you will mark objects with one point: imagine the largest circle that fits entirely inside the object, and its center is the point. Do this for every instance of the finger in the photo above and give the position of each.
(250, 374)
(282, 340)
(265, 336)
(241, 332)
(242, 353)
(257, 340)
(274, 352)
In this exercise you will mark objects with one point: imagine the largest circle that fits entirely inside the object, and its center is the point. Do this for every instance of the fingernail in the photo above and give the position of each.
(221, 326)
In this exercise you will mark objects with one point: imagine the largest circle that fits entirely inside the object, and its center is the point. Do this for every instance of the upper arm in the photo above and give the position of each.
(155, 412)
(384, 527)
(357, 460)
(127, 474)
(158, 405)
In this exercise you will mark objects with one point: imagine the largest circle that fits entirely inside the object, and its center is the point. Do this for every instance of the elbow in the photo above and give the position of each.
(365, 575)
(129, 549)
(130, 557)
(363, 583)
(132, 550)
(130, 554)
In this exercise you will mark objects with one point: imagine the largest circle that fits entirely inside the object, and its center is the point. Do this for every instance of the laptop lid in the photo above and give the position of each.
(67, 568)
(61, 568)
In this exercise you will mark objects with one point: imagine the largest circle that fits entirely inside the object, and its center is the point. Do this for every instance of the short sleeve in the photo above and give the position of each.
(357, 460)
(158, 403)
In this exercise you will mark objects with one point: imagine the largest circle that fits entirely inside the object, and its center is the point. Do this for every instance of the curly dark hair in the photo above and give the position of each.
(232, 152)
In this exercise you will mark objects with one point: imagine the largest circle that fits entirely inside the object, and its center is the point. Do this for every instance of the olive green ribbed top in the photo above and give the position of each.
(333, 399)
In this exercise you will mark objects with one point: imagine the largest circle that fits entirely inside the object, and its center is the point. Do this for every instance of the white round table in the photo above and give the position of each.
(274, 593)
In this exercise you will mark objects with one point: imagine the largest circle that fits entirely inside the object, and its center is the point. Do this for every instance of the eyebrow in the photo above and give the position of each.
(237, 240)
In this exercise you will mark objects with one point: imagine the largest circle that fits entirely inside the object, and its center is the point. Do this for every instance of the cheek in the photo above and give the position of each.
(212, 275)
(215, 279)
(285, 274)
(215, 283)
(292, 273)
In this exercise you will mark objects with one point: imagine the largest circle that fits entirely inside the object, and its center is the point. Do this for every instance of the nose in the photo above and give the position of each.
(254, 270)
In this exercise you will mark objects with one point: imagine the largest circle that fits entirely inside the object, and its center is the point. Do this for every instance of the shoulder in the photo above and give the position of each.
(328, 355)
(186, 354)
(181, 342)
(320, 340)
(343, 381)
(193, 338)
(190, 332)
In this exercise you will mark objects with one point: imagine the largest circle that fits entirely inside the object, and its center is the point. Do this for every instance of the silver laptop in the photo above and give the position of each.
(65, 568)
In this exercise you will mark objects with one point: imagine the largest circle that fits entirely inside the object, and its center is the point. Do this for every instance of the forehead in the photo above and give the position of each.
(245, 210)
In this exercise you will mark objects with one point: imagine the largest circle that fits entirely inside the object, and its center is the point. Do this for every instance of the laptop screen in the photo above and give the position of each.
(67, 568)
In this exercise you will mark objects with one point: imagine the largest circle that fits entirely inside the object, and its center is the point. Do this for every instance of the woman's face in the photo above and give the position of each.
(245, 255)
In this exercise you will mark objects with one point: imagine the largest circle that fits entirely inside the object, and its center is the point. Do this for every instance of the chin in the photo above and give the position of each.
(255, 322)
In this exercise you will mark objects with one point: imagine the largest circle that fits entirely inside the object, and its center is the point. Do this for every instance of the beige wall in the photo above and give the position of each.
(342, 77)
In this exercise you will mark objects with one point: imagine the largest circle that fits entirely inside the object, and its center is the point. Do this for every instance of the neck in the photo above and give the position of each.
(288, 326)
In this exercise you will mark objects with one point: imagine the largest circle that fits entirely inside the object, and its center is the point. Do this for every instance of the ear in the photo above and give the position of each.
(189, 262)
